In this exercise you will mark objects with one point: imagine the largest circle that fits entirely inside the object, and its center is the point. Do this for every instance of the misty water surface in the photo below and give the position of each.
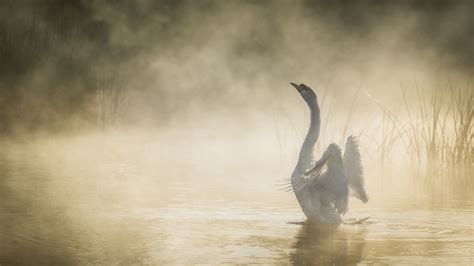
(146, 199)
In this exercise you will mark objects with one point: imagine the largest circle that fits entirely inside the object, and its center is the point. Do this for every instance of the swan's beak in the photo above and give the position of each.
(294, 85)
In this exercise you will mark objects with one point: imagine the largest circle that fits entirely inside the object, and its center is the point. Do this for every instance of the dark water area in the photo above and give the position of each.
(68, 206)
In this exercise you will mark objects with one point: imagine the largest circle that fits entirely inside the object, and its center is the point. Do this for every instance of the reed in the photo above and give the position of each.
(112, 103)
(435, 131)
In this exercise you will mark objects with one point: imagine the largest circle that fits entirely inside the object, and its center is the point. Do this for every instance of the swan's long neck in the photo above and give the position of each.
(306, 153)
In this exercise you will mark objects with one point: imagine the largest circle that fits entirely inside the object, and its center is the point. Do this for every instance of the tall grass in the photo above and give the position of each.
(441, 129)
(430, 130)
(112, 103)
(428, 134)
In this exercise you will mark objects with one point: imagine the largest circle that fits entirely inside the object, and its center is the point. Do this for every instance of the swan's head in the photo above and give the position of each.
(306, 92)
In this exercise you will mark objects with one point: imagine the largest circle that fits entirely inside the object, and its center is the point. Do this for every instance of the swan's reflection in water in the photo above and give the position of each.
(328, 245)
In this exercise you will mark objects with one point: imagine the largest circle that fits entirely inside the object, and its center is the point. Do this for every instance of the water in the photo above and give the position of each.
(122, 206)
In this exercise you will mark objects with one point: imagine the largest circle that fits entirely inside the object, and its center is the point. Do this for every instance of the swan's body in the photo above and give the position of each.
(322, 187)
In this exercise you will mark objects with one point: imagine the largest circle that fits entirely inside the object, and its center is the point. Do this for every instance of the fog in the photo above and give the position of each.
(186, 106)
(183, 58)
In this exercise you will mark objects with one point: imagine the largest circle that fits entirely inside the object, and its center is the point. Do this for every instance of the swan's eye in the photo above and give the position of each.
(303, 91)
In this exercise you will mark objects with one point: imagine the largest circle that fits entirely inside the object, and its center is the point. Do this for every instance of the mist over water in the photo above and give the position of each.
(187, 58)
(156, 132)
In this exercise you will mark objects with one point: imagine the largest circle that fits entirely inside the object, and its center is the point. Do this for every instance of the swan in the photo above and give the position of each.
(323, 187)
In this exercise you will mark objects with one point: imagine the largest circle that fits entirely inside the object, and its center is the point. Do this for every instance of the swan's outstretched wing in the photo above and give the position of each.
(354, 169)
(331, 183)
(352, 160)
(312, 177)
(320, 175)
(331, 180)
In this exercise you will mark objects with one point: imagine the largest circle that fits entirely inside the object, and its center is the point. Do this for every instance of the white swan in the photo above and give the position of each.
(322, 187)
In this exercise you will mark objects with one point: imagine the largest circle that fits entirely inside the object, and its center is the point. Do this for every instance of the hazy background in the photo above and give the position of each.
(171, 60)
